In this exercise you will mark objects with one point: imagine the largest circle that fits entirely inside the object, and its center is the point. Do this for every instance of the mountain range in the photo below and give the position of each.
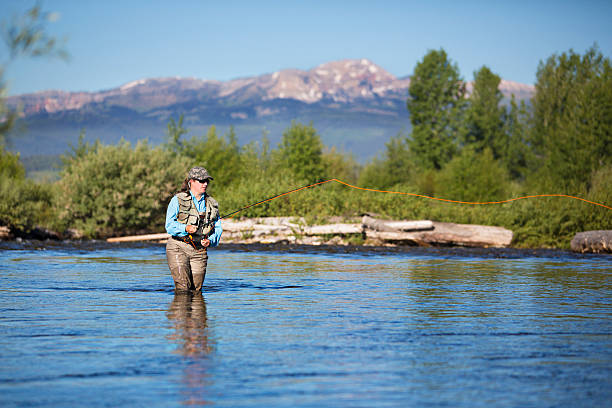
(355, 105)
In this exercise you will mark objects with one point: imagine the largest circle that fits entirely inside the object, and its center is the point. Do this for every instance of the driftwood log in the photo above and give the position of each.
(429, 233)
(134, 238)
(592, 241)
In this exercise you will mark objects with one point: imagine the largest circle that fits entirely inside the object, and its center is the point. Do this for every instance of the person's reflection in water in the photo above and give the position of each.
(187, 313)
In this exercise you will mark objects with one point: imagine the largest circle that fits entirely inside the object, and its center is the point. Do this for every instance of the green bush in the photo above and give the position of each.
(24, 203)
(118, 189)
(473, 176)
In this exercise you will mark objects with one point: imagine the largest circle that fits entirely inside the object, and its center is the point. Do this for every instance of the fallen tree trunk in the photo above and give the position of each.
(442, 233)
(592, 241)
(446, 233)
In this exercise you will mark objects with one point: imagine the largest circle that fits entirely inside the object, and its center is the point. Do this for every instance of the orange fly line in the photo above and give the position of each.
(415, 195)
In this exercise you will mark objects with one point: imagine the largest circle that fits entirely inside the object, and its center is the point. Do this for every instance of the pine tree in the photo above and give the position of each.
(515, 154)
(485, 115)
(436, 106)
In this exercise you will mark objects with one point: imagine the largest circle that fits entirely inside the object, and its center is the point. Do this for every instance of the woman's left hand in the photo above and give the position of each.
(205, 243)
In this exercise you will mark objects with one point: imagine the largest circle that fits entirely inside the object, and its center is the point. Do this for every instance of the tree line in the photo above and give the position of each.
(464, 145)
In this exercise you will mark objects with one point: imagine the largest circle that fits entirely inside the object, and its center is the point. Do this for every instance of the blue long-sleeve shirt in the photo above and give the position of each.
(175, 228)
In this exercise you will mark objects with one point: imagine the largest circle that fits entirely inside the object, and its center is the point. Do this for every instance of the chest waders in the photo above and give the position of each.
(204, 222)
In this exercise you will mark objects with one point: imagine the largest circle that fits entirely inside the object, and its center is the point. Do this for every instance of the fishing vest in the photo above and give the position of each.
(188, 214)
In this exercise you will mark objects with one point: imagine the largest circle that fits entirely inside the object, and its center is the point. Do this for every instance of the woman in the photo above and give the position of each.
(192, 220)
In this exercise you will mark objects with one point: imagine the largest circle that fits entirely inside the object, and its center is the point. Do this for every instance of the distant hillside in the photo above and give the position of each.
(354, 104)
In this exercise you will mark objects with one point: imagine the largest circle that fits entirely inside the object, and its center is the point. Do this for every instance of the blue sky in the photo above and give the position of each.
(113, 42)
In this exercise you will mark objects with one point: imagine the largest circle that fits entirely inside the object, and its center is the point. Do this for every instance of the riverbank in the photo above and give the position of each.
(366, 231)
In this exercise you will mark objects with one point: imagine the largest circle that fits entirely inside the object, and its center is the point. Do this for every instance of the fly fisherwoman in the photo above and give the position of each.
(193, 222)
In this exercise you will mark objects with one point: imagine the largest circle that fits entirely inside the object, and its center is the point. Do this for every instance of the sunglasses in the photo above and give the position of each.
(203, 181)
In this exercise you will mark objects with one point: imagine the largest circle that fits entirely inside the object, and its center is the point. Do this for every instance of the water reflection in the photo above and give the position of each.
(187, 314)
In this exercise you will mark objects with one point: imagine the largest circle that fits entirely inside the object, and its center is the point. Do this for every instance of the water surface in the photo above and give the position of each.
(100, 325)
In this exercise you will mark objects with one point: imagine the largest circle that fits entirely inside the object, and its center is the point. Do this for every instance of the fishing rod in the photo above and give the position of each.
(276, 196)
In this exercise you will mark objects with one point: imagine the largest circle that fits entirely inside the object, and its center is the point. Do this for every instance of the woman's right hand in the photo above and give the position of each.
(190, 229)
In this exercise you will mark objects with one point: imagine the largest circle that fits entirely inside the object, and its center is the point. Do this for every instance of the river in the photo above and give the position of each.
(99, 325)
